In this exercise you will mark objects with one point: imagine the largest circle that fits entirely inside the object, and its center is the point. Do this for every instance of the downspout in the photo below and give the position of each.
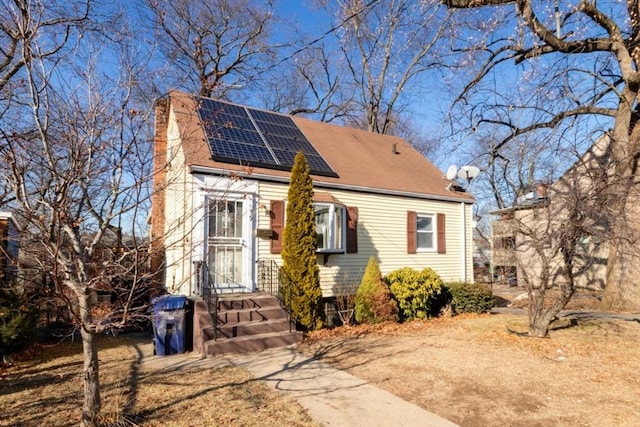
(464, 242)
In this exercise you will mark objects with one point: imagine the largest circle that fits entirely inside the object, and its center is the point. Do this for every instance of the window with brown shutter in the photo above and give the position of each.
(277, 225)
(426, 233)
(411, 232)
(352, 230)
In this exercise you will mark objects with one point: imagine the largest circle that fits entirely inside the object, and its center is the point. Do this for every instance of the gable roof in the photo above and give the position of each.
(363, 161)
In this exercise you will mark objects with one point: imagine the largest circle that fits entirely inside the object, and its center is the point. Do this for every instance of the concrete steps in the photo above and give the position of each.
(248, 343)
(245, 323)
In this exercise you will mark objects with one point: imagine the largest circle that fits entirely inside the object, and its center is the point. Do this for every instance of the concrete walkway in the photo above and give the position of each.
(333, 397)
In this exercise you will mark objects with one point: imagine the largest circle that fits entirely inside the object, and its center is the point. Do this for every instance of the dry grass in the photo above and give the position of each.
(468, 369)
(471, 370)
(47, 390)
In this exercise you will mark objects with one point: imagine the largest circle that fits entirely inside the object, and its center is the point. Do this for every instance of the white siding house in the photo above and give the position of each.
(380, 198)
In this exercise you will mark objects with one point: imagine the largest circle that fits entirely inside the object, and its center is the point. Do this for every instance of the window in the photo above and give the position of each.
(425, 228)
(426, 233)
(225, 219)
(330, 227)
(337, 224)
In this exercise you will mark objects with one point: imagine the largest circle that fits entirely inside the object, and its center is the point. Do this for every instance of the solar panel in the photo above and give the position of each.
(273, 129)
(315, 162)
(256, 137)
(286, 140)
(279, 143)
(222, 107)
(234, 151)
(268, 117)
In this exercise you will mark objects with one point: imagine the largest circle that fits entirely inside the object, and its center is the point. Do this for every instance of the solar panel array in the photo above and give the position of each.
(256, 137)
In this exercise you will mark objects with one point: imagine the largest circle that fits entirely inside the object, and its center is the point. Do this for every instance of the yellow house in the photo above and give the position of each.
(220, 191)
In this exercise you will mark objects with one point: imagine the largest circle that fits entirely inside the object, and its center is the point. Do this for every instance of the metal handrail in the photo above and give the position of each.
(210, 295)
(270, 280)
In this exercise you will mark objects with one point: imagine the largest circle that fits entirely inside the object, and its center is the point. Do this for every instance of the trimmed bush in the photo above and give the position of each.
(417, 292)
(470, 297)
(373, 299)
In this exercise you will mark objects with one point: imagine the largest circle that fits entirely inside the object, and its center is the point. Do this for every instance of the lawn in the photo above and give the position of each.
(47, 390)
(473, 371)
(468, 369)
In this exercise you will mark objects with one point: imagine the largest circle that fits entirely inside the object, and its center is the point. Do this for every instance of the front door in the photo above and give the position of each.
(227, 246)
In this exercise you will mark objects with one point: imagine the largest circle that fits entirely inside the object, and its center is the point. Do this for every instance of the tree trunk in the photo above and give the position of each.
(622, 291)
(543, 309)
(539, 324)
(92, 404)
(544, 302)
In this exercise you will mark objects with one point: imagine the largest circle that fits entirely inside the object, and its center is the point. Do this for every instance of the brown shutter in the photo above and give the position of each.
(277, 225)
(411, 232)
(442, 242)
(352, 230)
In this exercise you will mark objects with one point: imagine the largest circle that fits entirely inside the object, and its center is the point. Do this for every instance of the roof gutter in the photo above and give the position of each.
(320, 184)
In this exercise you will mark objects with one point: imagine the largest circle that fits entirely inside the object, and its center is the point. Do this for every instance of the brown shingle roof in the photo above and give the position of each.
(363, 160)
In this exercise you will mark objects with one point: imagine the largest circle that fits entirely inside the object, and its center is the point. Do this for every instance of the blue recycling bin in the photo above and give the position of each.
(169, 324)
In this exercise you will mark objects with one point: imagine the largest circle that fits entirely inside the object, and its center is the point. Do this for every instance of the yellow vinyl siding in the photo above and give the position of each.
(382, 232)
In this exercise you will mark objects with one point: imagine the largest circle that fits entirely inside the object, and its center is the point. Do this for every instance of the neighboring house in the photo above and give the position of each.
(9, 247)
(222, 174)
(532, 236)
(504, 235)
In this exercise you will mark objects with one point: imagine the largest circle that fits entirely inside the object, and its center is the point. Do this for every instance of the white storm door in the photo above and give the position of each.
(227, 253)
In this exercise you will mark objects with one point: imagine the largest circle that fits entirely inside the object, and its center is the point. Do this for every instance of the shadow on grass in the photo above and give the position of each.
(284, 369)
(37, 408)
(568, 319)
(313, 373)
(499, 301)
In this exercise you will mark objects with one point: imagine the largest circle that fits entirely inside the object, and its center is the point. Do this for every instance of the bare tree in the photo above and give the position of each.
(516, 169)
(77, 157)
(580, 62)
(215, 46)
(560, 236)
(55, 25)
(21, 21)
(388, 45)
(313, 87)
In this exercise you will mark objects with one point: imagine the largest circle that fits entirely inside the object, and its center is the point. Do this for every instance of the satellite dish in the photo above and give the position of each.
(452, 171)
(468, 173)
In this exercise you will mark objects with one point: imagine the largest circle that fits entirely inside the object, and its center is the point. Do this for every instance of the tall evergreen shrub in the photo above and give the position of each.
(300, 266)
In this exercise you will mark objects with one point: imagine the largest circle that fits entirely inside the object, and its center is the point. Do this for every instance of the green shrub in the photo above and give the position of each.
(417, 292)
(373, 299)
(470, 297)
(18, 321)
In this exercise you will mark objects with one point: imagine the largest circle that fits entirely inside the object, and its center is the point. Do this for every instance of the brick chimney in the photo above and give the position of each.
(158, 196)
